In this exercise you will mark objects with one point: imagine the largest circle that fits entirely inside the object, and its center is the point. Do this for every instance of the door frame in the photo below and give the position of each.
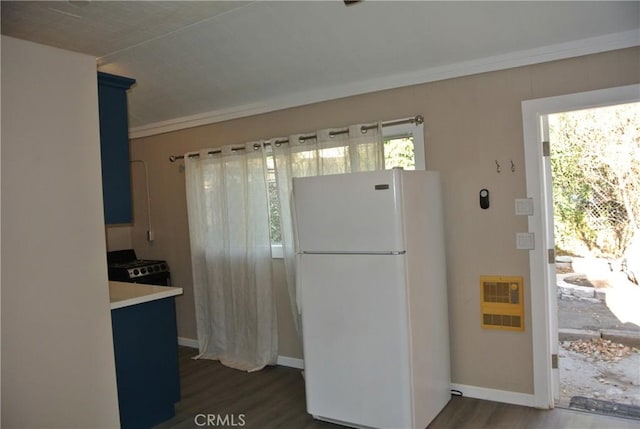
(541, 223)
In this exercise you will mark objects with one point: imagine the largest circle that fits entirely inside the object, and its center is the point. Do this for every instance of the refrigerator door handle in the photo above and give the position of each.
(298, 285)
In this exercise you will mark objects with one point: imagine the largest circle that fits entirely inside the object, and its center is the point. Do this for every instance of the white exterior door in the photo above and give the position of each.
(542, 273)
(550, 266)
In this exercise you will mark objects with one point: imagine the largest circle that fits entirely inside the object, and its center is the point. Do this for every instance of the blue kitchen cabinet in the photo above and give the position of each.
(146, 355)
(114, 148)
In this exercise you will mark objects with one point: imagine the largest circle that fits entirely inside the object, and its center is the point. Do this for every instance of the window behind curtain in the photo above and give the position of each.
(403, 147)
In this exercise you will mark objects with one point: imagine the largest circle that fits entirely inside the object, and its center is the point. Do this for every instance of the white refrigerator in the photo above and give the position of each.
(371, 279)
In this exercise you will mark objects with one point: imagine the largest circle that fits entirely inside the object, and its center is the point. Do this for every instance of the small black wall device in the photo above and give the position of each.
(484, 198)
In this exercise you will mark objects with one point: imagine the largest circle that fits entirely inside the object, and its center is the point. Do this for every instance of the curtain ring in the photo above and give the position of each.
(498, 168)
(363, 129)
(301, 140)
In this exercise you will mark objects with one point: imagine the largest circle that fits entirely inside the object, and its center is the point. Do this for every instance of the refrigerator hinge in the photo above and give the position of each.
(554, 361)
(546, 148)
(551, 255)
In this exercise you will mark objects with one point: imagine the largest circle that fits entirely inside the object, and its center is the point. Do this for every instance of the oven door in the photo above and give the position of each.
(159, 279)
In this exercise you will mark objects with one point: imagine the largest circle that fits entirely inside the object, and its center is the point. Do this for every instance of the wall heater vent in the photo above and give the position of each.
(501, 303)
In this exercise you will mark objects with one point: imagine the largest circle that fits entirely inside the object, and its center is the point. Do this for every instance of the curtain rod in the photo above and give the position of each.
(418, 119)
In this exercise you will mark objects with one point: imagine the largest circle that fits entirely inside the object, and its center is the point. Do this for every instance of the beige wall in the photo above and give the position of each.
(469, 123)
(118, 237)
(57, 351)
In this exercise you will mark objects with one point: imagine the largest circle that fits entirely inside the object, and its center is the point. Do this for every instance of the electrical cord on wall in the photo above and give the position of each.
(150, 234)
(455, 392)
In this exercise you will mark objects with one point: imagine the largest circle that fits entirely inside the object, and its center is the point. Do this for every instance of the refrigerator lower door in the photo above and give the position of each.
(355, 334)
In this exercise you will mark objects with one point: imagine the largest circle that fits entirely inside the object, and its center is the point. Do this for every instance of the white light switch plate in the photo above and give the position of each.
(525, 241)
(524, 206)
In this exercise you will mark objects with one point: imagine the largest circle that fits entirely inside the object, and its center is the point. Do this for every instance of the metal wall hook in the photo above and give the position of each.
(498, 168)
(513, 167)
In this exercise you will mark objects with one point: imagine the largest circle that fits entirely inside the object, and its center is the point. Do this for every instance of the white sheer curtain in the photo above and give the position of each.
(360, 149)
(231, 257)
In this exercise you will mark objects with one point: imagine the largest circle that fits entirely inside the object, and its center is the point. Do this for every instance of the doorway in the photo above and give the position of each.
(543, 298)
(594, 156)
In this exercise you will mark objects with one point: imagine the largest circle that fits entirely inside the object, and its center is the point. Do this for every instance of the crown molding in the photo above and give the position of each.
(555, 52)
(114, 81)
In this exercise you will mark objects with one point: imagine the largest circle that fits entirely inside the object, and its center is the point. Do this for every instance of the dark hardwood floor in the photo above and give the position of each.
(275, 398)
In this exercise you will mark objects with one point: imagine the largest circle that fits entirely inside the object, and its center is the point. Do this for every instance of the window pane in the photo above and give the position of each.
(274, 212)
(398, 152)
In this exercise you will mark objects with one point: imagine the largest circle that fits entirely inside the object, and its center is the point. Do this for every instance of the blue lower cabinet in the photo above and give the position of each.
(146, 354)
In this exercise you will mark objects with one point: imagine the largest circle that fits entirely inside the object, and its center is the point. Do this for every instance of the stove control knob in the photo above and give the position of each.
(136, 272)
(163, 266)
(143, 270)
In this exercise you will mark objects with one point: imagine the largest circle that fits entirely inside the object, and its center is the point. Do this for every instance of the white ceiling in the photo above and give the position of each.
(207, 61)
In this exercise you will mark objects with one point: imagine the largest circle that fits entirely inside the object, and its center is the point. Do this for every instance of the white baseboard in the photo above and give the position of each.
(282, 360)
(290, 362)
(188, 342)
(476, 392)
(505, 396)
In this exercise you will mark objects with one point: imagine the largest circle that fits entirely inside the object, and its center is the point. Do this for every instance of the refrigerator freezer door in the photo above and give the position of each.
(358, 212)
(355, 332)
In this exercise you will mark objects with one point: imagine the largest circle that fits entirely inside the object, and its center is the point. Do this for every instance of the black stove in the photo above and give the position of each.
(124, 266)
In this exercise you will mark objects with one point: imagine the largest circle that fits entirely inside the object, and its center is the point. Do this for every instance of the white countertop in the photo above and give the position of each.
(123, 294)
